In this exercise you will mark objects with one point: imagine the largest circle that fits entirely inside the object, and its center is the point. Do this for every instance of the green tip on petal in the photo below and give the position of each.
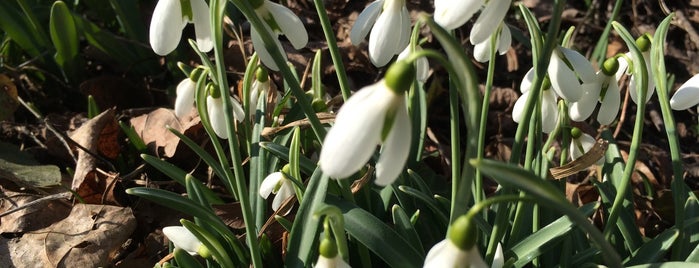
(261, 74)
(463, 233)
(214, 91)
(286, 169)
(643, 42)
(610, 66)
(575, 133)
(400, 76)
(328, 248)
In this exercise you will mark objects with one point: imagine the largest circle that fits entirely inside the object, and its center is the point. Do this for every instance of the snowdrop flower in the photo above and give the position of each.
(549, 107)
(459, 250)
(261, 87)
(277, 183)
(376, 114)
(277, 20)
(422, 66)
(624, 69)
(390, 33)
(687, 95)
(481, 51)
(489, 20)
(452, 14)
(329, 257)
(185, 97)
(170, 17)
(214, 107)
(581, 143)
(568, 71)
(605, 91)
(184, 239)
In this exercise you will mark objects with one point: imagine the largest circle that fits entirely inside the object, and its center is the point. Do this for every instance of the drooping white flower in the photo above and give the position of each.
(489, 20)
(277, 20)
(624, 69)
(568, 71)
(376, 114)
(170, 17)
(259, 89)
(605, 91)
(216, 112)
(581, 144)
(278, 184)
(687, 95)
(335, 262)
(447, 254)
(549, 107)
(452, 14)
(185, 97)
(422, 65)
(389, 22)
(481, 51)
(183, 238)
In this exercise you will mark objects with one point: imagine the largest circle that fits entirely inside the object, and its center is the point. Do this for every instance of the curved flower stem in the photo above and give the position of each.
(217, 10)
(295, 87)
(639, 70)
(333, 49)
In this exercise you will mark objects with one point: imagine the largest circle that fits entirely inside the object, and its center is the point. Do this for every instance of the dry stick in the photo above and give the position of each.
(622, 117)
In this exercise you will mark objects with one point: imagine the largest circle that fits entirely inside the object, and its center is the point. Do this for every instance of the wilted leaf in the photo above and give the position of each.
(152, 128)
(32, 217)
(83, 239)
(89, 136)
(101, 188)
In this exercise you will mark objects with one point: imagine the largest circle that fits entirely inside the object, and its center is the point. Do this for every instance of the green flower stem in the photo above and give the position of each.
(333, 49)
(679, 188)
(217, 11)
(478, 193)
(639, 70)
(600, 51)
(296, 90)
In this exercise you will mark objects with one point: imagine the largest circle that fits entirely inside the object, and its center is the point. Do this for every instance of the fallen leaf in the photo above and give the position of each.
(32, 217)
(152, 128)
(102, 188)
(84, 239)
(8, 98)
(89, 136)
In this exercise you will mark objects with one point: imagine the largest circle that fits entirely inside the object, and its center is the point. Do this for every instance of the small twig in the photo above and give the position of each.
(622, 117)
(63, 195)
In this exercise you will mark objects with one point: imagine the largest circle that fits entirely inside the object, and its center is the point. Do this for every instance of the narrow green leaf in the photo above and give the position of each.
(185, 260)
(675, 264)
(208, 159)
(134, 139)
(307, 166)
(654, 250)
(405, 228)
(537, 243)
(129, 17)
(63, 33)
(304, 233)
(546, 195)
(429, 201)
(214, 246)
(377, 236)
(17, 27)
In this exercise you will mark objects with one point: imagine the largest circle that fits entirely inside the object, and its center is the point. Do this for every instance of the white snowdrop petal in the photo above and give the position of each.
(583, 108)
(586, 141)
(518, 109)
(580, 64)
(290, 24)
(262, 52)
(166, 26)
(527, 81)
(563, 79)
(202, 25)
(446, 254)
(238, 112)
(488, 21)
(365, 21)
(452, 14)
(549, 111)
(218, 121)
(352, 140)
(404, 29)
(499, 258)
(687, 95)
(384, 36)
(182, 238)
(609, 108)
(335, 262)
(395, 149)
(504, 40)
(269, 183)
(481, 51)
(285, 191)
(185, 97)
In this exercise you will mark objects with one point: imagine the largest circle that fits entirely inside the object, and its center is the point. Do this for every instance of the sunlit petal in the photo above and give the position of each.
(505, 39)
(488, 21)
(452, 14)
(564, 80)
(185, 97)
(290, 24)
(687, 95)
(396, 147)
(586, 141)
(202, 25)
(216, 115)
(166, 26)
(549, 111)
(385, 36)
(365, 21)
(609, 108)
(285, 191)
(582, 67)
(269, 183)
(261, 50)
(336, 262)
(182, 238)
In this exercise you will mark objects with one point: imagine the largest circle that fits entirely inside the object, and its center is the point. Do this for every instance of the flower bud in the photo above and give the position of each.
(575, 133)
(643, 42)
(328, 248)
(463, 233)
(610, 66)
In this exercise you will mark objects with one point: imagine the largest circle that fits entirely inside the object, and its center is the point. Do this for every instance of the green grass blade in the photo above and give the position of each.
(654, 250)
